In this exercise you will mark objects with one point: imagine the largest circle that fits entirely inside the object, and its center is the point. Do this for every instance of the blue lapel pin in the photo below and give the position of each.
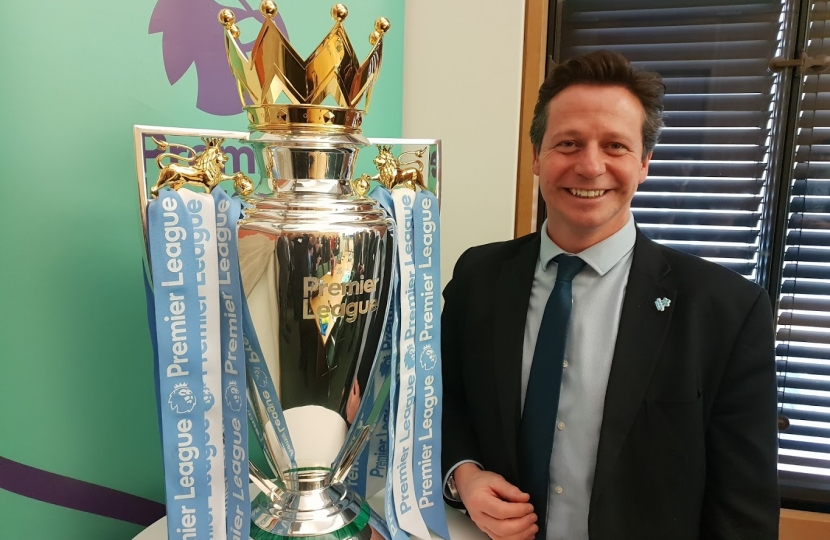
(662, 303)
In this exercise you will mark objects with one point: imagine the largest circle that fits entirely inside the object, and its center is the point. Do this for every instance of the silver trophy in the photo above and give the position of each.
(317, 258)
(316, 263)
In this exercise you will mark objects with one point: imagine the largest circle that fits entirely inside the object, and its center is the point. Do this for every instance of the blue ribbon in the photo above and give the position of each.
(390, 347)
(429, 393)
(203, 218)
(233, 398)
(176, 299)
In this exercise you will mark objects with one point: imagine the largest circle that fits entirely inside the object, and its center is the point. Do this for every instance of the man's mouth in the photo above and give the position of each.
(587, 193)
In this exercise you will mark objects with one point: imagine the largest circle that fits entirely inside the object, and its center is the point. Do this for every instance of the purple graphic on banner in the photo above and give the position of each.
(76, 494)
(191, 34)
(234, 153)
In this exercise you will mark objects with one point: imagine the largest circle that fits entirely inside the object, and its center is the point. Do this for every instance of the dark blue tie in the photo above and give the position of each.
(542, 395)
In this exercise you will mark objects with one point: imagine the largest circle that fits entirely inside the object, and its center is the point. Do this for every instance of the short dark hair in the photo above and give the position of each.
(603, 68)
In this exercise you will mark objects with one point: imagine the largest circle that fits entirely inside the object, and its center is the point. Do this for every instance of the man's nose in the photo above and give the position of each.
(590, 163)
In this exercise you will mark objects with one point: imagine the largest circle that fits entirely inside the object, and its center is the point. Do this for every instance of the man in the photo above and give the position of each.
(599, 385)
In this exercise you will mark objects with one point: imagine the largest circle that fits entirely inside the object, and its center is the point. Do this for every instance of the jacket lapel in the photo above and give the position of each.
(515, 282)
(640, 338)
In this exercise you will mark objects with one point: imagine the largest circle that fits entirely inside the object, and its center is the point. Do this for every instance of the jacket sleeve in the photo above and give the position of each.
(741, 499)
(459, 441)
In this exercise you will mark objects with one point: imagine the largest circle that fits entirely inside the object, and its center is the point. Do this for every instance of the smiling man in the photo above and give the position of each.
(612, 388)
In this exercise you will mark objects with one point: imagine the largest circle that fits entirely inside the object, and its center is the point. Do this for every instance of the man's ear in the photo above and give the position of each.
(644, 167)
(535, 161)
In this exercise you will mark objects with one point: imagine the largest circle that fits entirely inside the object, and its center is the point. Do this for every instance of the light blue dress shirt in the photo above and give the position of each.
(598, 293)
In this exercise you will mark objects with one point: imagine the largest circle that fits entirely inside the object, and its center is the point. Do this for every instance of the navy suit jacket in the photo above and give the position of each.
(688, 443)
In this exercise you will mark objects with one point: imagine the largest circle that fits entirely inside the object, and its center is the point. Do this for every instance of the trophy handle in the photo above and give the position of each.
(341, 468)
(263, 483)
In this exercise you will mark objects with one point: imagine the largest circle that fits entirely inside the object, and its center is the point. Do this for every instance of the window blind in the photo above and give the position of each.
(709, 173)
(803, 335)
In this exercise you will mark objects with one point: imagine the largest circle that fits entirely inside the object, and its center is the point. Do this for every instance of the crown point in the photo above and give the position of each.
(227, 18)
(268, 8)
(339, 12)
(382, 25)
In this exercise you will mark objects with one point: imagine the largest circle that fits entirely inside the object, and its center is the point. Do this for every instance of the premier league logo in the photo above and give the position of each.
(209, 400)
(385, 367)
(428, 358)
(233, 397)
(259, 377)
(409, 357)
(189, 38)
(181, 399)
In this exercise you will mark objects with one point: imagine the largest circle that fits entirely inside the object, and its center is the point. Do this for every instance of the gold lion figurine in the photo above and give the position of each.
(393, 172)
(207, 170)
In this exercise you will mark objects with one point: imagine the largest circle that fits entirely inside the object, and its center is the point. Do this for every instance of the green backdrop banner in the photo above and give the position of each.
(76, 386)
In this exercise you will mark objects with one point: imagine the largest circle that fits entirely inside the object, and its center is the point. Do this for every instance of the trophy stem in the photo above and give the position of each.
(318, 509)
(358, 529)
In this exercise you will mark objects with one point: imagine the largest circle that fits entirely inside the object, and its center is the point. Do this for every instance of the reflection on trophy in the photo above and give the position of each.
(316, 261)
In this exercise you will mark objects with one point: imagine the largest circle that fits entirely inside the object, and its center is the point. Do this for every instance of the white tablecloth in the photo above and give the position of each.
(461, 528)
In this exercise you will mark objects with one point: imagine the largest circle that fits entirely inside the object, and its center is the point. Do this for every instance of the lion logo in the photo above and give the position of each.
(393, 172)
(206, 171)
(428, 359)
(233, 397)
(181, 400)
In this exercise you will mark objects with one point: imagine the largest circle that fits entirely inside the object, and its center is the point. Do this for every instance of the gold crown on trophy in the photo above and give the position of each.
(275, 68)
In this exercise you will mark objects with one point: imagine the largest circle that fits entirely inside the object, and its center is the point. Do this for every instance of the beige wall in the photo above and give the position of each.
(462, 84)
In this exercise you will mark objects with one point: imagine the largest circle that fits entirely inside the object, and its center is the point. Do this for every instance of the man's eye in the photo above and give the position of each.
(566, 144)
(617, 146)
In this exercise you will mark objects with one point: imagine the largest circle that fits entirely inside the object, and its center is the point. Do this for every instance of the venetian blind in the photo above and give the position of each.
(803, 347)
(708, 175)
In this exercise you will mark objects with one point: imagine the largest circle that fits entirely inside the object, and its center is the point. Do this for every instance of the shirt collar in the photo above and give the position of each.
(602, 257)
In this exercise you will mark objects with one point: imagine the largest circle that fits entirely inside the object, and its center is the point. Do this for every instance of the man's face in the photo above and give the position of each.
(590, 163)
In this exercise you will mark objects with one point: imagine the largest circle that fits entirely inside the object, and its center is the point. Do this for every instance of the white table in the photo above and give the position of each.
(461, 528)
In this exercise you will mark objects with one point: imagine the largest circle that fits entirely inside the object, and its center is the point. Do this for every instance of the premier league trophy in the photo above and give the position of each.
(292, 309)
(316, 268)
